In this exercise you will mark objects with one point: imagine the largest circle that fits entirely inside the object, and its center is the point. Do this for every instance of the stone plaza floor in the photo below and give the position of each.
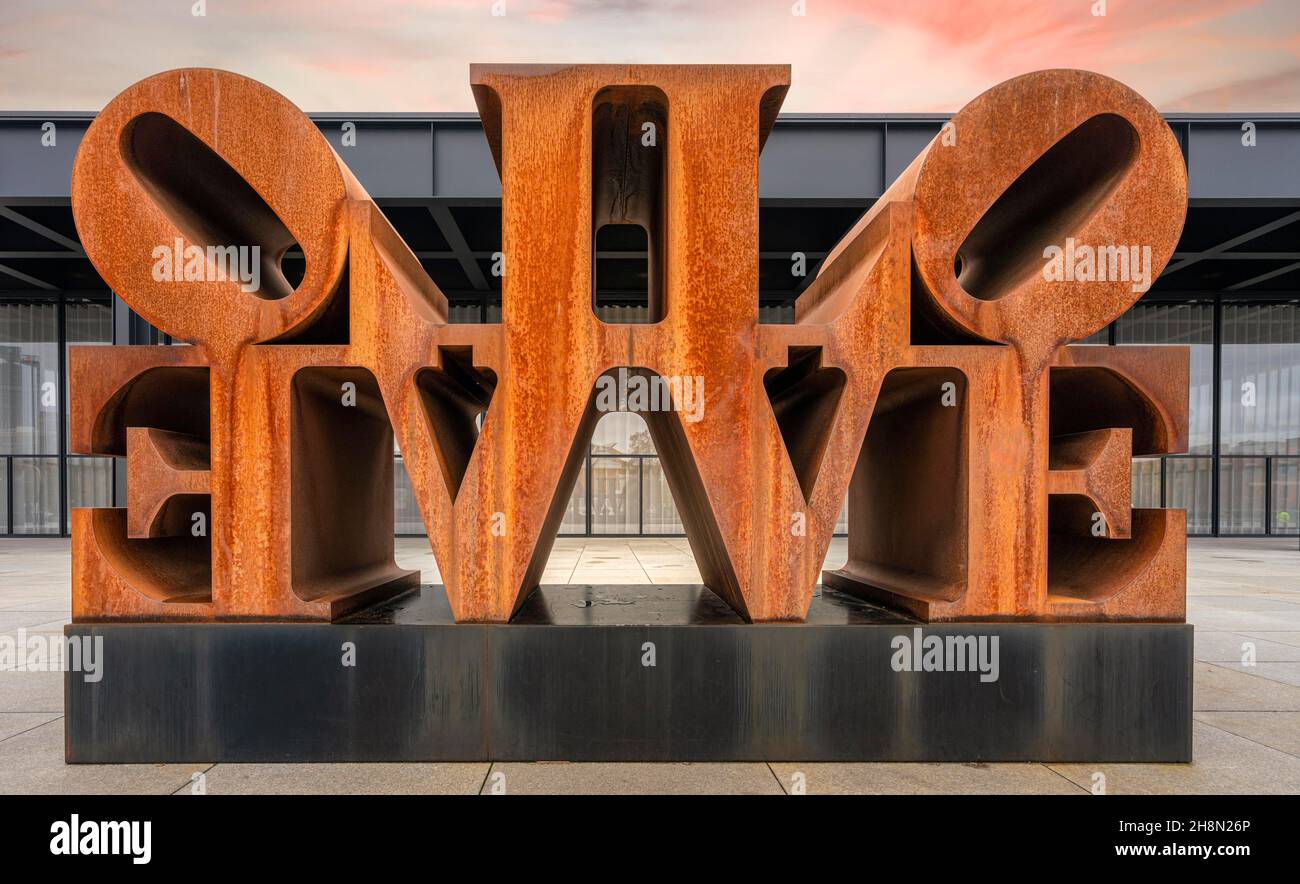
(1247, 717)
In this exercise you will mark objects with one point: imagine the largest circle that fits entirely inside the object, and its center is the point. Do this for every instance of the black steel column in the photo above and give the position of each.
(1217, 395)
(9, 493)
(62, 404)
(1268, 495)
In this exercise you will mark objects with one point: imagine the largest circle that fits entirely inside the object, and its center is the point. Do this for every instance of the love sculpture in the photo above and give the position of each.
(929, 374)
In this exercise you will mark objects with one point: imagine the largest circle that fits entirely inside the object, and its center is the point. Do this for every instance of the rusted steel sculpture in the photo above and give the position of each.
(929, 373)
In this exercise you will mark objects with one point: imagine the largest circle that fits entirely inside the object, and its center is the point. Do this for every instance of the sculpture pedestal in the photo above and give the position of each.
(632, 673)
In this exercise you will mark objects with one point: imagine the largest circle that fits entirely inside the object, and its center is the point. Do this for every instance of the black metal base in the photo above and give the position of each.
(631, 674)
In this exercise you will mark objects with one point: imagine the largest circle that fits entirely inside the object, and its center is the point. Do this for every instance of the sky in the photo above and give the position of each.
(885, 56)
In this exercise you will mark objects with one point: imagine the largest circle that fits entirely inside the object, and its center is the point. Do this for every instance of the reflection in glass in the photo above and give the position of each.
(622, 432)
(1146, 483)
(615, 495)
(658, 512)
(1193, 326)
(1190, 486)
(1241, 495)
(575, 514)
(29, 379)
(1260, 393)
(86, 323)
(1286, 495)
(36, 495)
(90, 481)
(406, 509)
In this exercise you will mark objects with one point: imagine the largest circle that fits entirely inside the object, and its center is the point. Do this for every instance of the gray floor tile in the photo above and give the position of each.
(1277, 730)
(1219, 688)
(1223, 764)
(1282, 637)
(343, 779)
(564, 778)
(31, 692)
(1228, 647)
(13, 620)
(32, 763)
(1287, 673)
(14, 723)
(924, 779)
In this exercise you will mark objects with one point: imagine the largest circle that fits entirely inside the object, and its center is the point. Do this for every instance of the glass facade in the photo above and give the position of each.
(621, 489)
(623, 485)
(1240, 475)
(1259, 407)
(39, 481)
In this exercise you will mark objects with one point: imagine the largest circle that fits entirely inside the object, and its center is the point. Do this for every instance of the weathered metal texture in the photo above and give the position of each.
(975, 443)
(296, 488)
(1043, 160)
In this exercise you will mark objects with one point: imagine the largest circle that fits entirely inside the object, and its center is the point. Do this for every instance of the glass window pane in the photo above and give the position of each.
(575, 514)
(36, 495)
(29, 378)
(1241, 495)
(1286, 495)
(658, 511)
(90, 481)
(406, 510)
(1146, 483)
(1190, 485)
(615, 495)
(1261, 379)
(621, 432)
(1193, 326)
(86, 323)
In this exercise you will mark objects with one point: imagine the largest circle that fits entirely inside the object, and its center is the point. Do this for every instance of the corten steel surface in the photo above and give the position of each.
(929, 373)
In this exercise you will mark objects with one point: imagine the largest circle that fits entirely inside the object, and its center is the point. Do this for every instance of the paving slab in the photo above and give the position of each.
(1224, 764)
(1222, 689)
(31, 692)
(1232, 647)
(32, 763)
(14, 723)
(342, 779)
(924, 779)
(1287, 673)
(1277, 730)
(573, 778)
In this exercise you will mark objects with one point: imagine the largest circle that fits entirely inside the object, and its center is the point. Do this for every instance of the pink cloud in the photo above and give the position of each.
(847, 55)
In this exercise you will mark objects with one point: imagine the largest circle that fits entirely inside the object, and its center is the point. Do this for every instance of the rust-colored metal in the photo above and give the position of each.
(929, 374)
